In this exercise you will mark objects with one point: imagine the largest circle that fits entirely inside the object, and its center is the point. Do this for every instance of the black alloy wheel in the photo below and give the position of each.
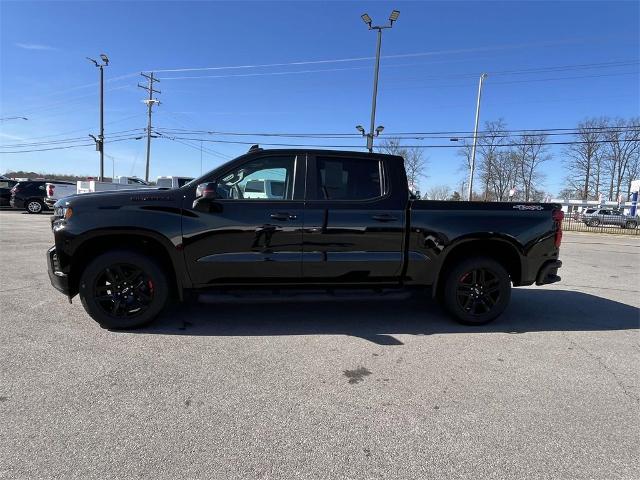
(476, 290)
(123, 289)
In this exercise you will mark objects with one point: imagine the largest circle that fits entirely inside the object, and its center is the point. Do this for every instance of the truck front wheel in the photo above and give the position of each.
(123, 289)
(477, 290)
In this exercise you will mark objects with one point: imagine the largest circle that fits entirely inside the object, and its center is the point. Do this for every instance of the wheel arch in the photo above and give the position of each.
(95, 243)
(501, 250)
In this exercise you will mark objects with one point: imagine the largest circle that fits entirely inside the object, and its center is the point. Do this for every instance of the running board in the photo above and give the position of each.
(299, 295)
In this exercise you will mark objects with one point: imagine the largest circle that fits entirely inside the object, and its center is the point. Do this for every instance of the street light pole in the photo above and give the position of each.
(100, 140)
(101, 136)
(475, 137)
(373, 131)
(375, 92)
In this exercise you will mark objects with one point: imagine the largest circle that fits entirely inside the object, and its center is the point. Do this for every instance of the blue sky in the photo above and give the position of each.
(431, 62)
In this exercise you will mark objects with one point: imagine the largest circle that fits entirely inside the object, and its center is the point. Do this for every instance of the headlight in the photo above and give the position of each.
(63, 212)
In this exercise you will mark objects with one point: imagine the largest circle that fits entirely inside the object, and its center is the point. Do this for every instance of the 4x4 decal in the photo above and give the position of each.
(528, 207)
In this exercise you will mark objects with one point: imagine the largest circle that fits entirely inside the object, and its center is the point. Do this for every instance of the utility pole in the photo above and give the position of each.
(100, 140)
(374, 132)
(150, 101)
(475, 137)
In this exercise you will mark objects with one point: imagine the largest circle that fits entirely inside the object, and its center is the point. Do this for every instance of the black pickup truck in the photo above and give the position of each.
(280, 219)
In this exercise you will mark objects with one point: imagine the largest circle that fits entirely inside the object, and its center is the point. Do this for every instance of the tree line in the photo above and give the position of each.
(605, 161)
(600, 157)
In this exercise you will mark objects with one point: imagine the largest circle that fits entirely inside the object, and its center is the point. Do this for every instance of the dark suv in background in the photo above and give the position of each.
(30, 195)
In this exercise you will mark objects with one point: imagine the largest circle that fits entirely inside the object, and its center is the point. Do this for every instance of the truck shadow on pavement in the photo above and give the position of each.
(377, 320)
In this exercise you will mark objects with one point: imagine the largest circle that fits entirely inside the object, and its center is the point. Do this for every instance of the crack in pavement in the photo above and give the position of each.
(608, 369)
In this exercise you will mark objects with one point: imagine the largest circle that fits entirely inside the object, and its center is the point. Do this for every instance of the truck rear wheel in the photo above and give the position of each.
(123, 289)
(477, 290)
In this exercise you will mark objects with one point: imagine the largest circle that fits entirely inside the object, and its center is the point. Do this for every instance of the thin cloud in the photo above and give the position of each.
(35, 46)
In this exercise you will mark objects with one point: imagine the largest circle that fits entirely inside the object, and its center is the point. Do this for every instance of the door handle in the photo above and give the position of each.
(283, 217)
(384, 218)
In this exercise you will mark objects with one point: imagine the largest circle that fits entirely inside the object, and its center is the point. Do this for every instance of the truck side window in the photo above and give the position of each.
(269, 178)
(348, 178)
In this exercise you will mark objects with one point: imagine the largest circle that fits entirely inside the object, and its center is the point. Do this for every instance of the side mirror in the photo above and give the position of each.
(207, 190)
(206, 194)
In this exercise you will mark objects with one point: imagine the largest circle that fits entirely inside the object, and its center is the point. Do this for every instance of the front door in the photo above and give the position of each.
(354, 227)
(252, 231)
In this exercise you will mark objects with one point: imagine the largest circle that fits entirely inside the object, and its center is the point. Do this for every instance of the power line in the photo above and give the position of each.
(68, 146)
(302, 145)
(123, 133)
(560, 68)
(178, 121)
(436, 134)
(403, 55)
(213, 153)
(84, 129)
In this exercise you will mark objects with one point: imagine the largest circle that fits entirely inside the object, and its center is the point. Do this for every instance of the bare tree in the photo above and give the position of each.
(464, 152)
(491, 140)
(584, 158)
(504, 174)
(414, 162)
(528, 155)
(633, 173)
(621, 151)
(438, 192)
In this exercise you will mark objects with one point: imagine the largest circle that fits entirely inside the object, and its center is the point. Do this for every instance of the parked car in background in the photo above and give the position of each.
(57, 190)
(6, 185)
(172, 182)
(594, 217)
(118, 183)
(30, 195)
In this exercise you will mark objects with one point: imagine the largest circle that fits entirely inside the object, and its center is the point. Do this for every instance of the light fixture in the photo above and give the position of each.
(104, 58)
(394, 16)
(379, 129)
(360, 128)
(366, 19)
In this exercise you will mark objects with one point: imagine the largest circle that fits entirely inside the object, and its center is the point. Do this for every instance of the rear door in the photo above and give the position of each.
(354, 221)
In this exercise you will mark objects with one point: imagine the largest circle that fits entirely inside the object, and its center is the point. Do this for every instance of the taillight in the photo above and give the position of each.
(558, 216)
(50, 189)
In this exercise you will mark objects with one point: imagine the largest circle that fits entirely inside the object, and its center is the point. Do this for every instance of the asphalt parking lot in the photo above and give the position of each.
(362, 389)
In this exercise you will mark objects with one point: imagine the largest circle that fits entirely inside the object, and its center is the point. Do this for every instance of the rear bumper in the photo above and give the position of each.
(49, 202)
(548, 273)
(59, 280)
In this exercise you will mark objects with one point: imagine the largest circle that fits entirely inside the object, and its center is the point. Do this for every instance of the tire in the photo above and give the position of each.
(631, 225)
(140, 293)
(476, 301)
(594, 223)
(34, 206)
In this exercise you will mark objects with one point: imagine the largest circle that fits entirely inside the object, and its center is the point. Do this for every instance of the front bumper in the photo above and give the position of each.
(548, 273)
(58, 278)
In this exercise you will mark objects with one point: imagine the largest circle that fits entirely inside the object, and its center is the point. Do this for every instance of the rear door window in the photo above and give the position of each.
(348, 178)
